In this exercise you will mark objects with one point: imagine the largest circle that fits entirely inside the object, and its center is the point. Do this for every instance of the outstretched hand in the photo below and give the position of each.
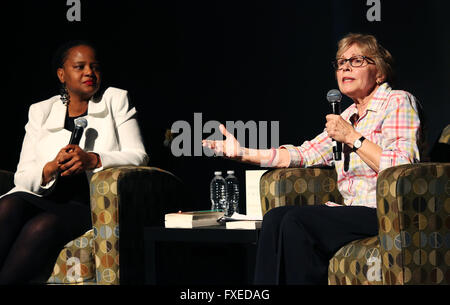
(229, 148)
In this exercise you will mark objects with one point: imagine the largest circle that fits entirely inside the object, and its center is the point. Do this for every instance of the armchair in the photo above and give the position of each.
(413, 209)
(123, 201)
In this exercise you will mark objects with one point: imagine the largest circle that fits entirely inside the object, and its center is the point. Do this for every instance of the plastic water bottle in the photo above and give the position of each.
(218, 192)
(232, 194)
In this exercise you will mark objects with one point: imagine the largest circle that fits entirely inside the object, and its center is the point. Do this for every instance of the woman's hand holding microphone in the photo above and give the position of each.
(70, 160)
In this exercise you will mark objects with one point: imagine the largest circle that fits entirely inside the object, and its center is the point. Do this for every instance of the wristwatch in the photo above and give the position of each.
(357, 144)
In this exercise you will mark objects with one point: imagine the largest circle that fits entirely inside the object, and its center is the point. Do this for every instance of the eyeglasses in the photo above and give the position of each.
(355, 61)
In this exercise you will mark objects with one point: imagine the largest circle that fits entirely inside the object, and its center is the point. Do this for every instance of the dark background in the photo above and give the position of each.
(229, 60)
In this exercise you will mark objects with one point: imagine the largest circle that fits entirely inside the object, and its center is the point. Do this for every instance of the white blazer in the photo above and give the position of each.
(112, 132)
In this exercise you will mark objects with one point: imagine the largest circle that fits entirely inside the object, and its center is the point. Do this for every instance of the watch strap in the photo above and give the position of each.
(360, 140)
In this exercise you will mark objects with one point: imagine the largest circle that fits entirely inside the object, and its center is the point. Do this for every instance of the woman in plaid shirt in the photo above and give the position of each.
(379, 130)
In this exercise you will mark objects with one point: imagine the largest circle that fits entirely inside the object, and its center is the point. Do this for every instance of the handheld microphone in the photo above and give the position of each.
(334, 97)
(80, 125)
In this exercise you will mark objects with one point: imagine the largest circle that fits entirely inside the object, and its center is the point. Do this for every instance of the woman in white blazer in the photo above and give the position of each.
(49, 205)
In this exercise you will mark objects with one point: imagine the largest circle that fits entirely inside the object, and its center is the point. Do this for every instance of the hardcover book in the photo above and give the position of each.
(192, 219)
(244, 224)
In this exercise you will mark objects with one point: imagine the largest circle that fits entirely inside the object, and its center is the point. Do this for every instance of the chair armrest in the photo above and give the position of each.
(298, 186)
(6, 181)
(413, 213)
(123, 201)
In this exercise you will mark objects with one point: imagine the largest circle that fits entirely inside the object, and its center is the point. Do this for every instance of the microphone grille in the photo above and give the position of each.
(80, 122)
(334, 96)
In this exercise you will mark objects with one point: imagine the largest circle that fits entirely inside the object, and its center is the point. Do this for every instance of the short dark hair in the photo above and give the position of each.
(62, 51)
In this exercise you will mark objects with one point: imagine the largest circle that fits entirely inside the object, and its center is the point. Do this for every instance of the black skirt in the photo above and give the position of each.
(70, 199)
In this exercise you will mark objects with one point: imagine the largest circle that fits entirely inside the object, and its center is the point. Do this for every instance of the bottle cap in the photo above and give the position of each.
(218, 173)
(230, 172)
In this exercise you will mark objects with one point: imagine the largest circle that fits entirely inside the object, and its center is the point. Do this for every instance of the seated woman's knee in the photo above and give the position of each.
(297, 215)
(275, 215)
(11, 206)
(47, 226)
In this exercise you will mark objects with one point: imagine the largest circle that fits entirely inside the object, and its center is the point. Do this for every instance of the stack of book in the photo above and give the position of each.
(241, 221)
(244, 224)
(192, 219)
(195, 219)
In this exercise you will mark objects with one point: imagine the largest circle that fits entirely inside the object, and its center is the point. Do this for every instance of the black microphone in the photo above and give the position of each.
(80, 125)
(334, 97)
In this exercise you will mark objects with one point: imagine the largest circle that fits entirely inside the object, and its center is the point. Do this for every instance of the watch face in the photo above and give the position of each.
(357, 144)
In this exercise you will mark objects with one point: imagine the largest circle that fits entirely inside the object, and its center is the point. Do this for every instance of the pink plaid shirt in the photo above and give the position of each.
(391, 120)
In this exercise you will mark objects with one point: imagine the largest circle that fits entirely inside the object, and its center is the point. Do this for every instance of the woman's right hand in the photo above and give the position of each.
(229, 147)
(49, 172)
(53, 168)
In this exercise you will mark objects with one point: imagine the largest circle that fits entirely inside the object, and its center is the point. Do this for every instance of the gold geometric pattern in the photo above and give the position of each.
(413, 208)
(94, 257)
(414, 247)
(298, 186)
(74, 264)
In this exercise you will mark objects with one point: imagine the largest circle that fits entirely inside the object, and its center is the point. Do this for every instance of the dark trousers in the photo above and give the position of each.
(296, 243)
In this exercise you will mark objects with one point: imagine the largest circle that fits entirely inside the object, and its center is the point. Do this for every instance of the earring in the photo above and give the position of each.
(65, 98)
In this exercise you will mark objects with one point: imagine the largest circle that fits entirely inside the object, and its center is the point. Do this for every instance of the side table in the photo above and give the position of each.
(205, 237)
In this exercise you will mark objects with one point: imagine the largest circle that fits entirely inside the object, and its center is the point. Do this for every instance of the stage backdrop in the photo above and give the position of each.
(261, 61)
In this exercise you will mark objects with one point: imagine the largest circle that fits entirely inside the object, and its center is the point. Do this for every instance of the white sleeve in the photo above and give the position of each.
(29, 172)
(132, 151)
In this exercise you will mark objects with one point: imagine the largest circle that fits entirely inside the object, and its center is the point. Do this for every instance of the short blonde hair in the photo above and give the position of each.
(370, 48)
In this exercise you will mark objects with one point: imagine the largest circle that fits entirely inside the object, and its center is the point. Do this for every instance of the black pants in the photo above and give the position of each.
(296, 243)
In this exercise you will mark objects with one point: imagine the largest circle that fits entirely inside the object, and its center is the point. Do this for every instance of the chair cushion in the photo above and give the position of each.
(298, 186)
(75, 263)
(357, 263)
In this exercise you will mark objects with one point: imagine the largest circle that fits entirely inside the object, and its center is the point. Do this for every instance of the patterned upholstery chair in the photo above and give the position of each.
(123, 201)
(413, 207)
